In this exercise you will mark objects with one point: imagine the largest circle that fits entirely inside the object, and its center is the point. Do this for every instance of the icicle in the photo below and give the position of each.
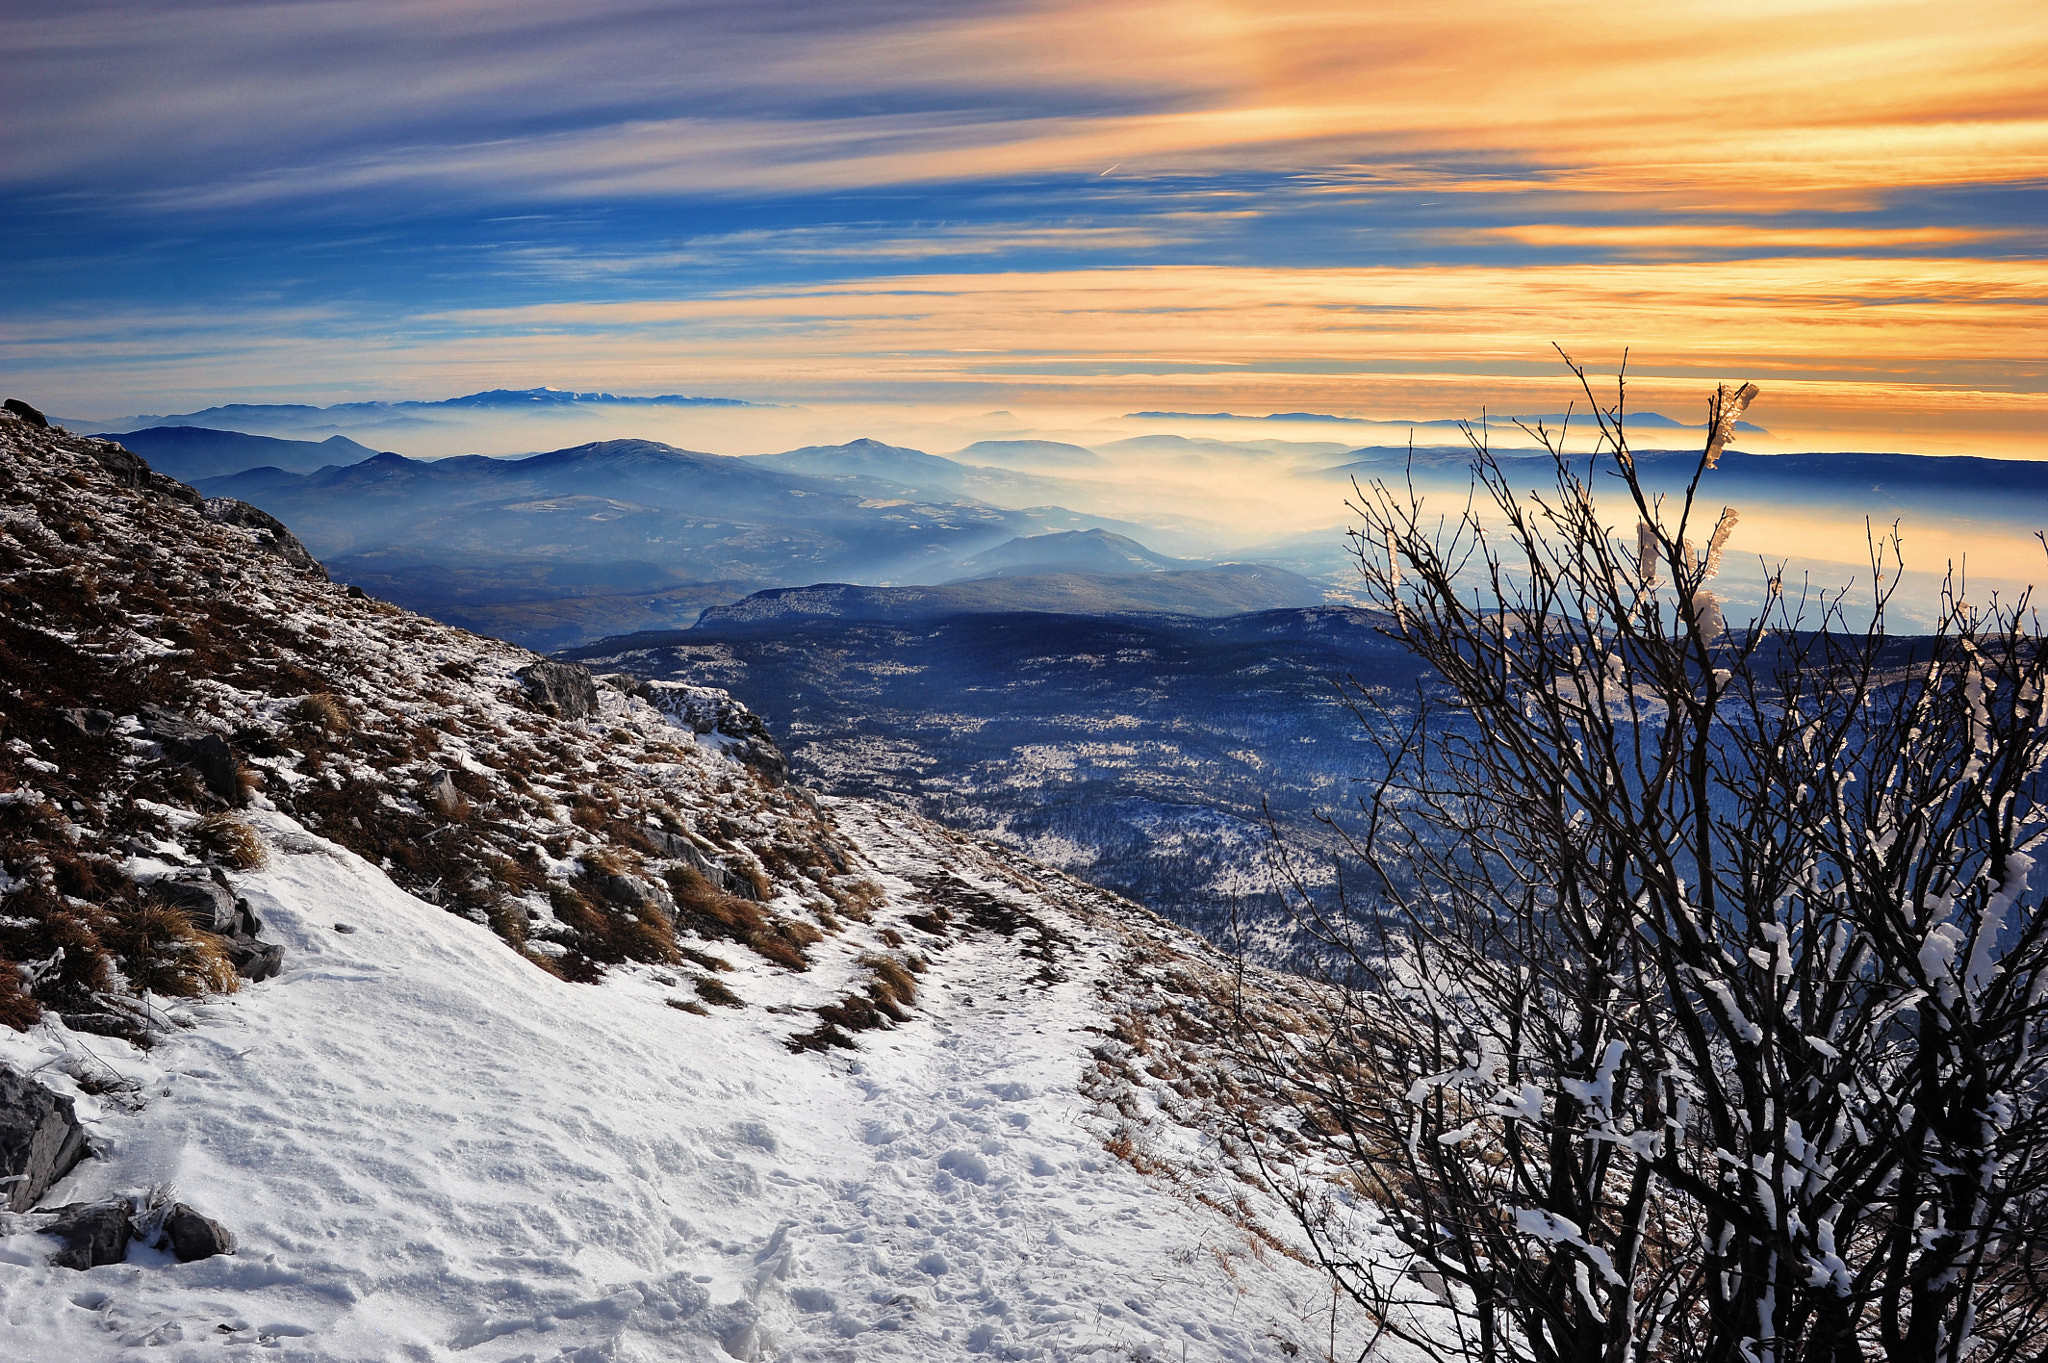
(1646, 554)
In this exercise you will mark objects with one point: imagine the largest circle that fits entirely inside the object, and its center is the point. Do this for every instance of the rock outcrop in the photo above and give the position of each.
(709, 711)
(198, 747)
(563, 689)
(26, 413)
(40, 1139)
(270, 531)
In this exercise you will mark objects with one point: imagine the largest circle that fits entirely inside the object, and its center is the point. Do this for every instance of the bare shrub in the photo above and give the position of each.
(1693, 1000)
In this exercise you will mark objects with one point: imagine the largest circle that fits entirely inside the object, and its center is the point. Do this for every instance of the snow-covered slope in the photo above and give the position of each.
(684, 1063)
(431, 1149)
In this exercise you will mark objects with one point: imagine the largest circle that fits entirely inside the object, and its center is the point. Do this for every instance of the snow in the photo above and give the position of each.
(431, 1149)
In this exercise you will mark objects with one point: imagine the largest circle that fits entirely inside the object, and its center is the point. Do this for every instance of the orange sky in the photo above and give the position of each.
(1372, 209)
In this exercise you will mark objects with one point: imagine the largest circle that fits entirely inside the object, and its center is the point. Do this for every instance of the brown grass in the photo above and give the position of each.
(703, 909)
(229, 840)
(892, 980)
(160, 951)
(508, 920)
(18, 1008)
(712, 991)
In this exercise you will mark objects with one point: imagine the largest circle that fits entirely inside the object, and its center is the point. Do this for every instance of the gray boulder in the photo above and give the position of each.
(93, 1233)
(213, 907)
(208, 903)
(40, 1138)
(192, 1236)
(270, 531)
(567, 688)
(255, 960)
(89, 723)
(676, 847)
(196, 746)
(631, 892)
(442, 794)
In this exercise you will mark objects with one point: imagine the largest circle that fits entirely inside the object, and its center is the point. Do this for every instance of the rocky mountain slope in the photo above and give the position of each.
(498, 1011)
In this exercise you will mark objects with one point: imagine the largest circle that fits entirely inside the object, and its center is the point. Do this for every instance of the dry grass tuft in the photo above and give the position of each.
(892, 980)
(712, 991)
(18, 1008)
(508, 920)
(160, 951)
(323, 712)
(230, 841)
(857, 897)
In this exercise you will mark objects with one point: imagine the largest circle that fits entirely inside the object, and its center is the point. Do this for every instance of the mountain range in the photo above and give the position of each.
(668, 528)
(1226, 589)
(190, 453)
(288, 418)
(1647, 420)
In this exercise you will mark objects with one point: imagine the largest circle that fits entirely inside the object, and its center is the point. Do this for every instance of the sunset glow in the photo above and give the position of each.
(1379, 210)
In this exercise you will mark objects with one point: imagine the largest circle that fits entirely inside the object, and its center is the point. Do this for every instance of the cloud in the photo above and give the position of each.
(1913, 352)
(1300, 203)
(1744, 102)
(1740, 237)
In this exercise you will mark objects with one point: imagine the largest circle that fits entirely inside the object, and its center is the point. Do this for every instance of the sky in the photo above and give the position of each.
(1373, 208)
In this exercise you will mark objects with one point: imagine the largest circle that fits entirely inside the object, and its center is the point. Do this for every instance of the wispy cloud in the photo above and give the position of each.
(1915, 347)
(1744, 100)
(1742, 237)
(1318, 202)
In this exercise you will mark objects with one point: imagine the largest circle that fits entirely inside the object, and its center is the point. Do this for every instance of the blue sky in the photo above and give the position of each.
(1378, 209)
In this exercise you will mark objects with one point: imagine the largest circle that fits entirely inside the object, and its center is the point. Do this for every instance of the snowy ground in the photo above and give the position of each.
(432, 1149)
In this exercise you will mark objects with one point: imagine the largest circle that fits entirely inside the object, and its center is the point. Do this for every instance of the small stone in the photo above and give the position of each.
(343, 928)
(192, 1236)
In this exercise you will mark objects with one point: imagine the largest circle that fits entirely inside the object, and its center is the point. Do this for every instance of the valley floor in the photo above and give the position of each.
(431, 1149)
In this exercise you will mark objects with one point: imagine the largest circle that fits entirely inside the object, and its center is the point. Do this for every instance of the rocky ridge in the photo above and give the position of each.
(174, 660)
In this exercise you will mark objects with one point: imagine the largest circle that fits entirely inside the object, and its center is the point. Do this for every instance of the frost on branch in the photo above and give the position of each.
(1693, 972)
